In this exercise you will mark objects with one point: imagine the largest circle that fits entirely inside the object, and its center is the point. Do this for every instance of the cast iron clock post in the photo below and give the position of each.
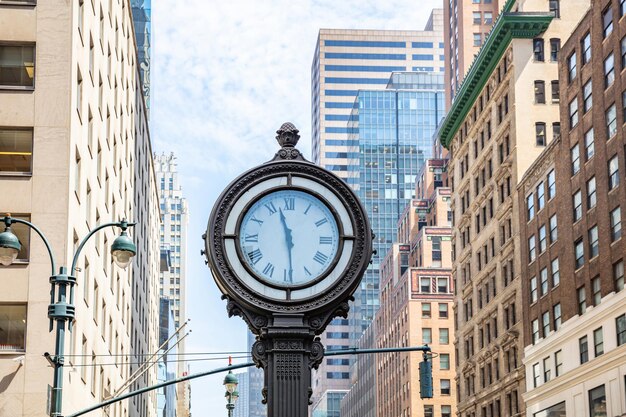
(288, 243)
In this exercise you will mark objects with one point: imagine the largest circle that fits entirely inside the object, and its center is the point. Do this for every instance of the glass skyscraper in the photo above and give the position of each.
(142, 19)
(391, 134)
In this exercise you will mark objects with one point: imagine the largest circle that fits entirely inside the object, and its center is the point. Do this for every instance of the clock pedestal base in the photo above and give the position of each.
(288, 351)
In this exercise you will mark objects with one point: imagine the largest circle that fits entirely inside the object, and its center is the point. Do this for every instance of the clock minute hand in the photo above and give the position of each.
(288, 241)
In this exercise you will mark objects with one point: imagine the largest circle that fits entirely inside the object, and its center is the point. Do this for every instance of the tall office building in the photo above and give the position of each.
(242, 406)
(345, 62)
(172, 282)
(498, 124)
(256, 382)
(75, 153)
(142, 18)
(572, 205)
(467, 26)
(168, 360)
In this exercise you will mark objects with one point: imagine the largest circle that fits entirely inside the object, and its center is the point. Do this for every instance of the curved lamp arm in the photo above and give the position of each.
(123, 225)
(8, 220)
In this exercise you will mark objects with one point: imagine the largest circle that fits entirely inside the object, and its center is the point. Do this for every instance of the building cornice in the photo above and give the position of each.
(508, 26)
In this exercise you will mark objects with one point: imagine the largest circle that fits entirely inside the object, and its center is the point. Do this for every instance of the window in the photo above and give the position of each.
(427, 335)
(530, 206)
(579, 253)
(555, 91)
(540, 134)
(540, 92)
(444, 336)
(591, 193)
(555, 48)
(618, 275)
(538, 49)
(616, 224)
(446, 410)
(543, 275)
(607, 21)
(575, 155)
(623, 50)
(16, 151)
(558, 363)
(553, 229)
(611, 121)
(540, 196)
(609, 70)
(582, 300)
(531, 249)
(426, 310)
(425, 284)
(443, 310)
(445, 387)
(442, 283)
(555, 8)
(556, 314)
(535, 330)
(444, 361)
(477, 18)
(551, 184)
(583, 349)
(546, 369)
(536, 375)
(477, 39)
(556, 129)
(12, 327)
(542, 239)
(571, 67)
(533, 289)
(573, 113)
(17, 66)
(587, 98)
(488, 18)
(620, 326)
(597, 402)
(578, 205)
(598, 342)
(545, 323)
(596, 295)
(613, 173)
(429, 411)
(556, 275)
(589, 144)
(585, 47)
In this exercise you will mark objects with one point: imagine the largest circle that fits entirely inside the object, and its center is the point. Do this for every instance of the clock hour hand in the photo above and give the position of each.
(288, 241)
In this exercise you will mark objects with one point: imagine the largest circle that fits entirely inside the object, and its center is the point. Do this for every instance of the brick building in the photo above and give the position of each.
(572, 249)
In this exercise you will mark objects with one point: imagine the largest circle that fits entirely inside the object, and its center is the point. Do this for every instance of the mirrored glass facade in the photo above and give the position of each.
(142, 10)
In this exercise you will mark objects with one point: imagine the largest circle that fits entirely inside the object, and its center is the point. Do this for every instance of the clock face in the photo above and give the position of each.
(289, 237)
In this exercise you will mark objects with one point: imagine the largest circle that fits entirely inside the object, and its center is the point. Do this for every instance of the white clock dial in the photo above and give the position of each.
(289, 237)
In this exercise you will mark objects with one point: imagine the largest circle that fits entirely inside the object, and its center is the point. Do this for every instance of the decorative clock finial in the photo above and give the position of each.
(287, 135)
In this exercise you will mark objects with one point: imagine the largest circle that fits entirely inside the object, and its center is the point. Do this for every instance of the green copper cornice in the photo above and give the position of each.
(508, 26)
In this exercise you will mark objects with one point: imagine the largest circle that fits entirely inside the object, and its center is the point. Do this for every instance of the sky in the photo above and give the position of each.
(225, 75)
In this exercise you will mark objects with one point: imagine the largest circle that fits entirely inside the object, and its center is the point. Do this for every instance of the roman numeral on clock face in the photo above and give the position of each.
(321, 222)
(326, 240)
(290, 203)
(269, 269)
(255, 256)
(254, 219)
(320, 258)
(252, 238)
(271, 207)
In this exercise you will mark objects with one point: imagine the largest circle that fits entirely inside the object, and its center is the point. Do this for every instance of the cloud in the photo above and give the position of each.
(225, 76)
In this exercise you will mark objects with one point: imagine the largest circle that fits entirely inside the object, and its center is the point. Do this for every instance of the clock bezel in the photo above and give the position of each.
(340, 244)
(351, 269)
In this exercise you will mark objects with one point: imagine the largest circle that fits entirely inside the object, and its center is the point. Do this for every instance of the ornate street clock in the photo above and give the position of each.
(288, 243)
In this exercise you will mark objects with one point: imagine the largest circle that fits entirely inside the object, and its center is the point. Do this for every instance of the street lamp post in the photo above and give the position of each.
(232, 395)
(59, 309)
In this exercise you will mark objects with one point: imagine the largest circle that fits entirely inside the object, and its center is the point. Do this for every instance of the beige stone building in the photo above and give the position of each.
(74, 153)
(503, 115)
(416, 304)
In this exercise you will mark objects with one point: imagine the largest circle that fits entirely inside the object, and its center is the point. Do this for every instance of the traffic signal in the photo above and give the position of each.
(426, 378)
